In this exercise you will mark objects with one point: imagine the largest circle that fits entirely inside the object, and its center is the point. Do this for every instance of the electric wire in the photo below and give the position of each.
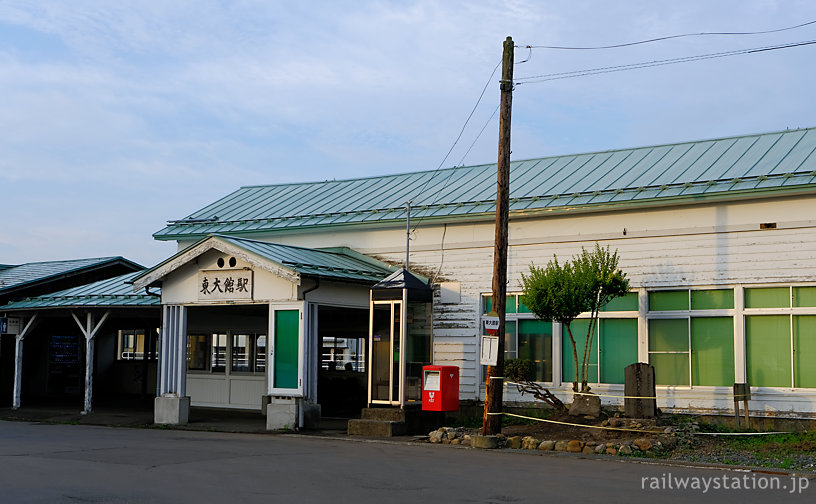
(647, 64)
(669, 37)
(489, 120)
(461, 132)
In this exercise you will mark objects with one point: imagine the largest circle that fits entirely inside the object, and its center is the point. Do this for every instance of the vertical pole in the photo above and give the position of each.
(491, 423)
(89, 362)
(407, 233)
(18, 371)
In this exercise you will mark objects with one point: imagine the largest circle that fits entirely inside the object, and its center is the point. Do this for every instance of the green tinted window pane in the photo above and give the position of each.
(510, 348)
(712, 351)
(804, 355)
(579, 332)
(511, 304)
(487, 304)
(627, 302)
(535, 344)
(718, 299)
(618, 347)
(768, 350)
(522, 308)
(767, 297)
(670, 369)
(668, 300)
(804, 296)
(668, 335)
(287, 328)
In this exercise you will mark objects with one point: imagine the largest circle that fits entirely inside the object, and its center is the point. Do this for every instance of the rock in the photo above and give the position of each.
(575, 446)
(611, 450)
(514, 442)
(561, 445)
(530, 443)
(547, 445)
(643, 444)
(625, 450)
(466, 442)
(601, 448)
(456, 441)
(615, 422)
(446, 441)
(466, 437)
(436, 436)
(605, 423)
(587, 450)
(668, 430)
(586, 405)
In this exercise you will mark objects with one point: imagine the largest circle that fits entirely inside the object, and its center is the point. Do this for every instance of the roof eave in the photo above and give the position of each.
(733, 195)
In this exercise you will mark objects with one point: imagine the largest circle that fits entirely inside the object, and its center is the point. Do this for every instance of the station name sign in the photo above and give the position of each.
(225, 285)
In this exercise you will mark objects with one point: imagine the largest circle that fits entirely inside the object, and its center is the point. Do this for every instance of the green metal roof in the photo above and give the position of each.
(727, 167)
(113, 292)
(337, 264)
(38, 272)
(313, 262)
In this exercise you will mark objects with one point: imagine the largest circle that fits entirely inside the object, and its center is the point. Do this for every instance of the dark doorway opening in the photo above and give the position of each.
(342, 385)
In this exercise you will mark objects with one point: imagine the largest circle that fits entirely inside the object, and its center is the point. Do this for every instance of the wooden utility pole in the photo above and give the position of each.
(491, 423)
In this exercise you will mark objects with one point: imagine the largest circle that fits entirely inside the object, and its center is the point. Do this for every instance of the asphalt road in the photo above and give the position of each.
(42, 463)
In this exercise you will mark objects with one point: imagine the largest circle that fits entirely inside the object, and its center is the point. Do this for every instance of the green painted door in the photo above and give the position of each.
(287, 332)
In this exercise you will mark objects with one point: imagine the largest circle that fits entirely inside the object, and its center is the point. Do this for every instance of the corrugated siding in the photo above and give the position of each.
(771, 161)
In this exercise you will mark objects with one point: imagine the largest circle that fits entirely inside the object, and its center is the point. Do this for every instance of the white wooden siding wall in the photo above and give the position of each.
(709, 259)
(679, 246)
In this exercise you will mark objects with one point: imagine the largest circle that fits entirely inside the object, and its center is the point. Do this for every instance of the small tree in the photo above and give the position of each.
(561, 292)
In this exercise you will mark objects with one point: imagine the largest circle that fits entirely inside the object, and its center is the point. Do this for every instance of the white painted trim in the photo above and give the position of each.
(285, 392)
(209, 244)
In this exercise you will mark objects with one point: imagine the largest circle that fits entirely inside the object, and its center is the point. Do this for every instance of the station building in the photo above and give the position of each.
(292, 299)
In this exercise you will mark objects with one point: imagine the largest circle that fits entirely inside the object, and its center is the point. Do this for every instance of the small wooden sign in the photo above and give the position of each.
(225, 285)
(490, 351)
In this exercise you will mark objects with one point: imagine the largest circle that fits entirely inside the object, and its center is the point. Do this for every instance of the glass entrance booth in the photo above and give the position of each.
(400, 339)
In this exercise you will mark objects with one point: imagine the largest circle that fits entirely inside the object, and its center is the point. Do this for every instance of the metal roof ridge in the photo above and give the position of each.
(618, 190)
(574, 154)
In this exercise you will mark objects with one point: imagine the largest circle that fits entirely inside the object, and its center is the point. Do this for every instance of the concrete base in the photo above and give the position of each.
(171, 410)
(282, 413)
(484, 442)
(311, 415)
(375, 428)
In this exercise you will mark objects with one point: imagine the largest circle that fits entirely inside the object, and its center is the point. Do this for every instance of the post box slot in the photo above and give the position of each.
(431, 380)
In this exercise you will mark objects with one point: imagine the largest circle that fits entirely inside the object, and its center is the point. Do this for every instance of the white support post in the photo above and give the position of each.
(89, 331)
(18, 371)
(89, 361)
(18, 361)
(171, 404)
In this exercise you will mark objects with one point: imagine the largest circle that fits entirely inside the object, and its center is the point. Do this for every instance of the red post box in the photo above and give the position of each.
(440, 388)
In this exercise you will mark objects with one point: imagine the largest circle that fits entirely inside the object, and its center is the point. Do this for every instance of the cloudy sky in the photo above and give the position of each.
(118, 116)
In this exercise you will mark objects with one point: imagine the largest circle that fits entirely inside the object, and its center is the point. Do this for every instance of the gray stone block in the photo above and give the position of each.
(171, 410)
(282, 414)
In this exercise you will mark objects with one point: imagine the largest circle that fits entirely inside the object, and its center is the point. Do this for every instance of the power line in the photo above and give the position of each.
(489, 119)
(669, 37)
(478, 101)
(646, 64)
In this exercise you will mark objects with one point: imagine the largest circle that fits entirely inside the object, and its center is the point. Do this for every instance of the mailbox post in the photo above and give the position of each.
(440, 388)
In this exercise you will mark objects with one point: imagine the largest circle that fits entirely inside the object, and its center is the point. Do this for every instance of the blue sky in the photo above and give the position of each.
(118, 116)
